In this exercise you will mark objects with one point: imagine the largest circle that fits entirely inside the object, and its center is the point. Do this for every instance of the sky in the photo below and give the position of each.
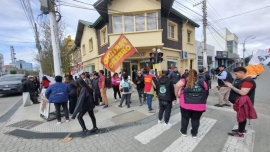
(15, 30)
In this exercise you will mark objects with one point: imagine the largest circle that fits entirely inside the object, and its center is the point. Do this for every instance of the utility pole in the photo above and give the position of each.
(38, 47)
(55, 39)
(204, 7)
(12, 53)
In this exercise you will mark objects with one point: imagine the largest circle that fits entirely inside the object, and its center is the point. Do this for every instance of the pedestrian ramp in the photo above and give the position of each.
(188, 144)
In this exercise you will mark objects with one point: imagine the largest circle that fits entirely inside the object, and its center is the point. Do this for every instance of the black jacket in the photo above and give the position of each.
(73, 89)
(166, 89)
(30, 87)
(85, 101)
(175, 77)
(141, 84)
(95, 85)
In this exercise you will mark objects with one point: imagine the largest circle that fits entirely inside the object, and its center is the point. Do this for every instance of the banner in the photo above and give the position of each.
(259, 57)
(117, 53)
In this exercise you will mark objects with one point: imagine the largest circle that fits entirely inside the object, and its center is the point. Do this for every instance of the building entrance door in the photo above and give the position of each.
(126, 67)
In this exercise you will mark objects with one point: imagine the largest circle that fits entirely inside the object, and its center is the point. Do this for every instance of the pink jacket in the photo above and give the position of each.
(195, 107)
(244, 109)
(115, 81)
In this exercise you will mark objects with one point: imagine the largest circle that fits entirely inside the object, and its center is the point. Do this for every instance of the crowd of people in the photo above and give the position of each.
(191, 88)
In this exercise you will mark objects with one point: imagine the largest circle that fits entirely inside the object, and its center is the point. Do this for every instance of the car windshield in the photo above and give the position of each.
(11, 78)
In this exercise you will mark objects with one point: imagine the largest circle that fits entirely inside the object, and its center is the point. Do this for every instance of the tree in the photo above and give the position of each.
(66, 48)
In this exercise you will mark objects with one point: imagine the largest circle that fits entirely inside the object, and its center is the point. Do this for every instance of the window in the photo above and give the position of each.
(83, 49)
(189, 36)
(140, 22)
(117, 24)
(172, 31)
(151, 21)
(90, 44)
(103, 35)
(129, 23)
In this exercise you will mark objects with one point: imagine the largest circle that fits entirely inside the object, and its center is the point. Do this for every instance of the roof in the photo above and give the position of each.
(79, 32)
(175, 12)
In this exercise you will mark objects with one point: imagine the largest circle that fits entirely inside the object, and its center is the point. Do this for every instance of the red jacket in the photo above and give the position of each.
(45, 83)
(244, 109)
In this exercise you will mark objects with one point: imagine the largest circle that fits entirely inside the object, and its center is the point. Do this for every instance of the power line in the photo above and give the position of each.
(215, 38)
(188, 8)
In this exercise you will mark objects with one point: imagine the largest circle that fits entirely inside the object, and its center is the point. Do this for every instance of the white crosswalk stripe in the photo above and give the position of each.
(243, 145)
(188, 144)
(153, 132)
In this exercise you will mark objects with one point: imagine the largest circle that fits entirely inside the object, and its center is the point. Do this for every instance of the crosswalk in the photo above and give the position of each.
(188, 144)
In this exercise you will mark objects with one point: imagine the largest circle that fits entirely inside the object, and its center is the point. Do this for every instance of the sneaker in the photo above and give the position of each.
(218, 105)
(106, 106)
(128, 106)
(237, 134)
(115, 100)
(67, 120)
(94, 130)
(58, 123)
(152, 111)
(120, 106)
(228, 105)
(167, 124)
(236, 130)
(184, 135)
(159, 121)
(194, 136)
(100, 103)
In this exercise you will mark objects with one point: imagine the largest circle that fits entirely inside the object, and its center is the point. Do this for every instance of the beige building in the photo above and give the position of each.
(147, 24)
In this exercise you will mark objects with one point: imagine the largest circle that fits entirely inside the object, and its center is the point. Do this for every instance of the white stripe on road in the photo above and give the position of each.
(153, 132)
(188, 144)
(243, 145)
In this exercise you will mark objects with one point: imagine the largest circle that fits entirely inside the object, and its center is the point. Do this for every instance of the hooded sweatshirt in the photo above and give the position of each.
(166, 89)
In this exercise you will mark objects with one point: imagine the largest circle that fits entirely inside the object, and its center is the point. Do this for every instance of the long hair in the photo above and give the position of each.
(191, 78)
(45, 78)
(80, 84)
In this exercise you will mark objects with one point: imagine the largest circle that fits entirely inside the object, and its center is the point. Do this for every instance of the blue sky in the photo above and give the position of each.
(14, 25)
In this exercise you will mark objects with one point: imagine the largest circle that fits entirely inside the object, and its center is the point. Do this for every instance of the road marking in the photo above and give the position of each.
(236, 144)
(188, 144)
(153, 132)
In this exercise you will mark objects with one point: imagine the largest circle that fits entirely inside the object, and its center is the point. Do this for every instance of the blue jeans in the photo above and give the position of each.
(149, 101)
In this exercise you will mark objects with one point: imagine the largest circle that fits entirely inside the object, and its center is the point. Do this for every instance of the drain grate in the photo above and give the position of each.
(26, 124)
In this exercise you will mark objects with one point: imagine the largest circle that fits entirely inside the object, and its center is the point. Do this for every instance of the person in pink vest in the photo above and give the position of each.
(115, 83)
(193, 95)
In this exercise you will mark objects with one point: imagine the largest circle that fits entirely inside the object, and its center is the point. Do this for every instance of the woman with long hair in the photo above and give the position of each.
(115, 84)
(85, 103)
(45, 82)
(193, 96)
(72, 95)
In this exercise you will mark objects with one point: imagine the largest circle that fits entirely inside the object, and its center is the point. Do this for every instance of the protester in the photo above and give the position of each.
(224, 91)
(213, 72)
(166, 96)
(175, 76)
(96, 90)
(150, 82)
(57, 93)
(37, 85)
(185, 74)
(103, 89)
(126, 87)
(192, 101)
(87, 80)
(45, 82)
(85, 103)
(204, 76)
(242, 96)
(30, 87)
(115, 84)
(72, 96)
(139, 81)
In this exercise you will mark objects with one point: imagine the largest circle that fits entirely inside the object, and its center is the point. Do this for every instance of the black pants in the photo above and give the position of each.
(57, 108)
(242, 126)
(33, 97)
(195, 120)
(141, 94)
(92, 116)
(127, 97)
(72, 104)
(97, 97)
(116, 90)
(167, 107)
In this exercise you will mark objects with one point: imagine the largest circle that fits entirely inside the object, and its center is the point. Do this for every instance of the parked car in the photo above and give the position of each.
(11, 84)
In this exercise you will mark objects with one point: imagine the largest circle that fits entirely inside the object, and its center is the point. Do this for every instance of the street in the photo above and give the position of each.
(153, 137)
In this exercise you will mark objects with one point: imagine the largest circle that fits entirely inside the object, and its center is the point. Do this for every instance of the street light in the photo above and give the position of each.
(244, 49)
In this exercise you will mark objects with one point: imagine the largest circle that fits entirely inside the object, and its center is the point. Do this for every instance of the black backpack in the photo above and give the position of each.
(195, 94)
(229, 77)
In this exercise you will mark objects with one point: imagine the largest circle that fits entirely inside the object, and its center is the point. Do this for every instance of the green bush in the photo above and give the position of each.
(13, 72)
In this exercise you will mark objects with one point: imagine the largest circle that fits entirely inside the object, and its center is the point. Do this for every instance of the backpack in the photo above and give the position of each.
(195, 94)
(202, 77)
(229, 77)
(126, 87)
(108, 83)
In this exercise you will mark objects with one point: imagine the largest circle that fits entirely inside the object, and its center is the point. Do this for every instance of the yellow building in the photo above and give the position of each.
(147, 24)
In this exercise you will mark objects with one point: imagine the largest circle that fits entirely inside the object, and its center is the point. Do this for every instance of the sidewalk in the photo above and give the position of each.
(28, 118)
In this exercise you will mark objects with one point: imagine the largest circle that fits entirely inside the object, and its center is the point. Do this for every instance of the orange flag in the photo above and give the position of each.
(117, 53)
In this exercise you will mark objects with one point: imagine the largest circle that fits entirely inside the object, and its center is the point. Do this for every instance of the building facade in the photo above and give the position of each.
(21, 64)
(147, 24)
(211, 53)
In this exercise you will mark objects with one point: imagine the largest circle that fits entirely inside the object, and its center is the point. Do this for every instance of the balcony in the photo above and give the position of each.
(141, 39)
